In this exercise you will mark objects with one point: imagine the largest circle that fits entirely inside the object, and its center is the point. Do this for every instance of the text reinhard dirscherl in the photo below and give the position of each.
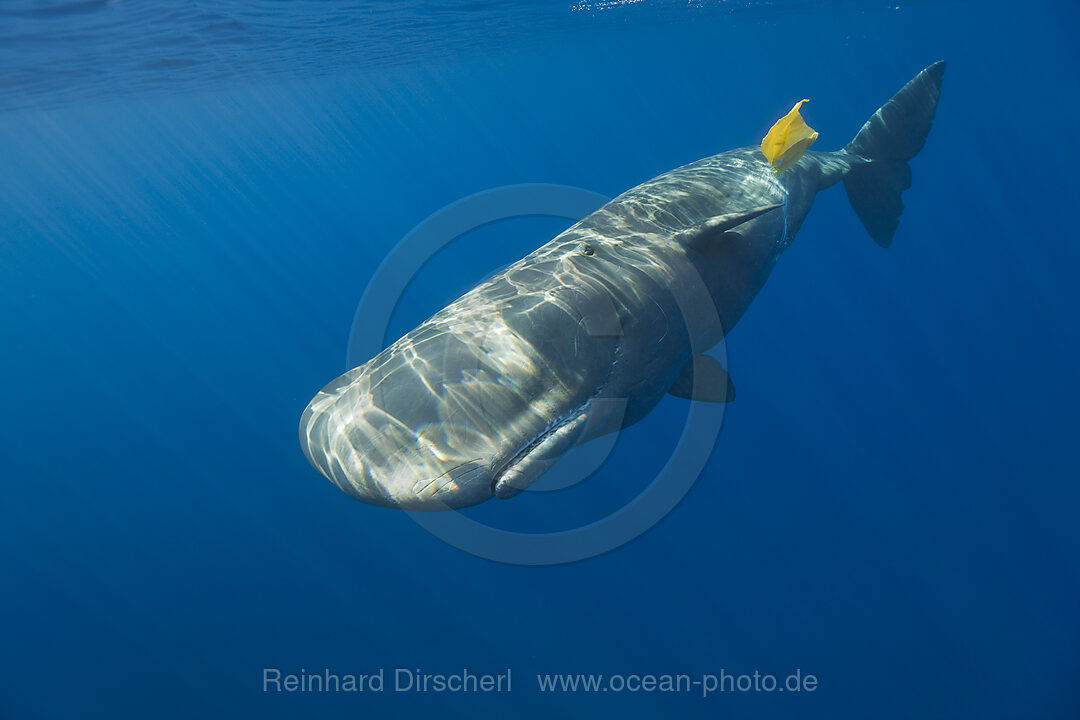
(415, 680)
(400, 680)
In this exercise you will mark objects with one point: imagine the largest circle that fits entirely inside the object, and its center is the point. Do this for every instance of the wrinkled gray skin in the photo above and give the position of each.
(580, 338)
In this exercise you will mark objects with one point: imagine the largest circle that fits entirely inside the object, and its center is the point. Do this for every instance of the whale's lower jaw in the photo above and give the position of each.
(539, 454)
(472, 482)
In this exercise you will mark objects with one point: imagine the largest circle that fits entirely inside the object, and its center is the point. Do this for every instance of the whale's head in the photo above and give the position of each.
(442, 420)
(385, 442)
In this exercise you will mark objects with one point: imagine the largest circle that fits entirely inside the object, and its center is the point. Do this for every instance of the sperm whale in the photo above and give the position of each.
(484, 396)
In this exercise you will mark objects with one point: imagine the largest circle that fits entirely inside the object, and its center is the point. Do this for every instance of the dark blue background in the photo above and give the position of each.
(892, 503)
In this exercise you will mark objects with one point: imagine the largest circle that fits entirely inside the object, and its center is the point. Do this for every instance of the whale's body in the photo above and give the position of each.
(587, 334)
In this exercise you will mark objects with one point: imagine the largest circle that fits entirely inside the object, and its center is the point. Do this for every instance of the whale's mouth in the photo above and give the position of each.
(539, 454)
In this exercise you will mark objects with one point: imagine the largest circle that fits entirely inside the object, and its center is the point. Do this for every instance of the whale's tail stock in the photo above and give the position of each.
(889, 139)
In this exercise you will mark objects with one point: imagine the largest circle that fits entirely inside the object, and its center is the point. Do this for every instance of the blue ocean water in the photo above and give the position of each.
(193, 197)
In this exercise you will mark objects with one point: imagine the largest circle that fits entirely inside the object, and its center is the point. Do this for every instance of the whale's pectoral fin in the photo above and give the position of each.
(705, 379)
(708, 233)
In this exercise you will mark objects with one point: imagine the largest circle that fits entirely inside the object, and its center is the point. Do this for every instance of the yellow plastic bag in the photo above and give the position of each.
(787, 140)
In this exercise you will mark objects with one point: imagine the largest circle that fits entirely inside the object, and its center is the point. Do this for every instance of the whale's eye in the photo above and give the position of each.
(587, 249)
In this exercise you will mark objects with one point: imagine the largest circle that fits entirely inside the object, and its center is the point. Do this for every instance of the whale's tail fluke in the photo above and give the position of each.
(892, 136)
